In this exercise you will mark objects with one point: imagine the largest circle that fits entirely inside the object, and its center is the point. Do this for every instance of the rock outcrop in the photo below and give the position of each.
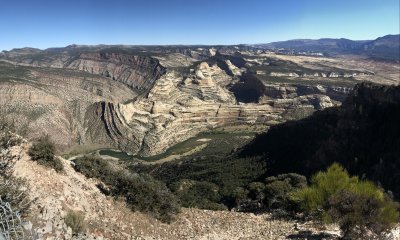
(177, 108)
(138, 72)
(54, 102)
(317, 74)
(124, 97)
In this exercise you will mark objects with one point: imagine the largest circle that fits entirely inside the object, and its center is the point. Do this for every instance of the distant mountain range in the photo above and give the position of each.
(382, 48)
(386, 48)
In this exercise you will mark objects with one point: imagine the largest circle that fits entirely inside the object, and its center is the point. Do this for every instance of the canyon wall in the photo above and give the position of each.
(178, 108)
(138, 72)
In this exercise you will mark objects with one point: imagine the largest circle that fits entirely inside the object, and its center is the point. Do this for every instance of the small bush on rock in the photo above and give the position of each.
(13, 191)
(42, 151)
(76, 221)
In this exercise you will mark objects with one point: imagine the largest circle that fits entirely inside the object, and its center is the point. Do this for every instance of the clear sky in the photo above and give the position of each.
(54, 23)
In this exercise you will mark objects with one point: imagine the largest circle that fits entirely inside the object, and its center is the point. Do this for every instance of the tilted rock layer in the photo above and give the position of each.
(134, 71)
(127, 99)
(178, 108)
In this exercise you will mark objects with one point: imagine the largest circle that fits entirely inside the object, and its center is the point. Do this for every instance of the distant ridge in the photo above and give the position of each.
(383, 48)
(386, 48)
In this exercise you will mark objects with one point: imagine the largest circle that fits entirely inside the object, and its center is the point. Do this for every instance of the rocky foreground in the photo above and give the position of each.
(55, 194)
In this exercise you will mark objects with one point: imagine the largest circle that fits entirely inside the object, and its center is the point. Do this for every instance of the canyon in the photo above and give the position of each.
(200, 124)
(145, 101)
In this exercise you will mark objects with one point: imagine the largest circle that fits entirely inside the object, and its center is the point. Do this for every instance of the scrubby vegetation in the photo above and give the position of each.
(199, 176)
(12, 189)
(76, 221)
(363, 135)
(43, 151)
(359, 207)
(141, 191)
(273, 194)
(258, 178)
(197, 194)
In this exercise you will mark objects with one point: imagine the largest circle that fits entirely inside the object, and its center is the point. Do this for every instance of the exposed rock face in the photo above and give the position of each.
(55, 102)
(285, 91)
(135, 71)
(175, 60)
(235, 70)
(177, 109)
(86, 94)
(362, 135)
(317, 74)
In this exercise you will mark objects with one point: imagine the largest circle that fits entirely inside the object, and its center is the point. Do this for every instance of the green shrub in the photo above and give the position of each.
(42, 151)
(8, 140)
(278, 189)
(204, 195)
(240, 196)
(145, 194)
(272, 195)
(94, 167)
(13, 191)
(356, 205)
(256, 190)
(76, 221)
(226, 172)
(141, 192)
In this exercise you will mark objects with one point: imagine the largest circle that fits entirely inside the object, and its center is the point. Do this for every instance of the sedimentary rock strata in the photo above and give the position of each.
(144, 103)
(135, 71)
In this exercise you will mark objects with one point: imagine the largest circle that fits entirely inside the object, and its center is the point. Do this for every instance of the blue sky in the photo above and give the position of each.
(52, 23)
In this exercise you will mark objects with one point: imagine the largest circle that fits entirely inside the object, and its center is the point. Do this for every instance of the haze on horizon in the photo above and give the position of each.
(44, 23)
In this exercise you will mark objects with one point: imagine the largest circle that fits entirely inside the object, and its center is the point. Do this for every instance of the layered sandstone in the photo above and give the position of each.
(177, 108)
(138, 72)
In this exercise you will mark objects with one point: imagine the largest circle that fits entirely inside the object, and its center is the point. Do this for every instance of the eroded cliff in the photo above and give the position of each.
(138, 72)
(179, 107)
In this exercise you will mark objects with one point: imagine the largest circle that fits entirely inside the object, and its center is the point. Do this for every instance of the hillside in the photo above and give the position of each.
(55, 194)
(363, 134)
(168, 130)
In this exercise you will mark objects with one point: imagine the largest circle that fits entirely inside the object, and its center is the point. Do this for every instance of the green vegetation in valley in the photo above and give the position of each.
(214, 136)
(140, 191)
(207, 169)
(337, 82)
